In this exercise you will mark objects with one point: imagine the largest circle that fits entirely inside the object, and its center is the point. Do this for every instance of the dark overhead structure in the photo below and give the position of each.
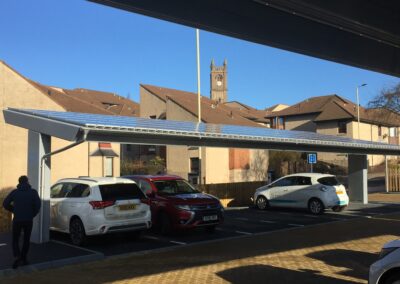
(361, 33)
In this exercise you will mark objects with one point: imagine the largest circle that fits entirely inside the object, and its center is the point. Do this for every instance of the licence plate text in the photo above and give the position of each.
(127, 207)
(210, 218)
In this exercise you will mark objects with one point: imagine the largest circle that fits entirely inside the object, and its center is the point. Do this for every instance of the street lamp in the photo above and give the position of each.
(358, 110)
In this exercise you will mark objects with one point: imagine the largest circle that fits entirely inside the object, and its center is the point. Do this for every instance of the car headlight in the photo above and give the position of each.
(183, 207)
(386, 251)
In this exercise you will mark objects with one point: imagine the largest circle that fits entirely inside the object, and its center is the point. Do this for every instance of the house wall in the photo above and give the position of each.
(150, 104)
(368, 132)
(17, 92)
(301, 123)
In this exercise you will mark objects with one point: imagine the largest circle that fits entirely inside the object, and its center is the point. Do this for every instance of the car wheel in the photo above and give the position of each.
(210, 229)
(77, 232)
(394, 278)
(315, 206)
(262, 202)
(338, 208)
(165, 224)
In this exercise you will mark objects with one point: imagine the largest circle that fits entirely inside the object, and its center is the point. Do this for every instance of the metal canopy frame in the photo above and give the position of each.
(132, 130)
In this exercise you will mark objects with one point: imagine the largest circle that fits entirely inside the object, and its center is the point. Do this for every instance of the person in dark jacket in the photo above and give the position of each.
(24, 203)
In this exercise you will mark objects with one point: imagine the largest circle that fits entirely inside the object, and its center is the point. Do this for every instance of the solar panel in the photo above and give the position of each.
(151, 127)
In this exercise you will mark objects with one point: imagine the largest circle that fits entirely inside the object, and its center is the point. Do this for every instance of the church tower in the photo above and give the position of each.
(218, 82)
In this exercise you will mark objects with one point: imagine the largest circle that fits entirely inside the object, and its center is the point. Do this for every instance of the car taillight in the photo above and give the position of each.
(101, 204)
(145, 201)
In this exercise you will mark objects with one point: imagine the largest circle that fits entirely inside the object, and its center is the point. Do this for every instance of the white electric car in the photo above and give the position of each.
(314, 191)
(387, 269)
(93, 206)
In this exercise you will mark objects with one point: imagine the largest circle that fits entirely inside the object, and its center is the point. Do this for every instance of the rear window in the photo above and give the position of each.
(120, 191)
(330, 181)
(174, 187)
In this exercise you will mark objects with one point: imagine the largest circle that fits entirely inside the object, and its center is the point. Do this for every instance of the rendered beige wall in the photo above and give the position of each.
(15, 91)
(301, 123)
(368, 132)
(150, 104)
(216, 168)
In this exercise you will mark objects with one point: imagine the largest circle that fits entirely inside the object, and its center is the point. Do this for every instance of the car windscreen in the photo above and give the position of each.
(173, 187)
(330, 181)
(120, 191)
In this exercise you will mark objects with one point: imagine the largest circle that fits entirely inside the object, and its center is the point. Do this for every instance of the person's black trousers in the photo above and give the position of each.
(26, 228)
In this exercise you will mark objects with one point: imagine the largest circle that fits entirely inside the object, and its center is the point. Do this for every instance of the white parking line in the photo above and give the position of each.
(2, 245)
(244, 233)
(296, 225)
(269, 222)
(178, 243)
(242, 219)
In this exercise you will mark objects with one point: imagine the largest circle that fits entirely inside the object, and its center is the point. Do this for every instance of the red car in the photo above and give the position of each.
(175, 204)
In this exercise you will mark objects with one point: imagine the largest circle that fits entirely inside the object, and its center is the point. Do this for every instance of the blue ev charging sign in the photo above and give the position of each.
(312, 158)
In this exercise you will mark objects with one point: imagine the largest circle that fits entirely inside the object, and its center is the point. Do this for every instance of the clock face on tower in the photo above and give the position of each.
(218, 80)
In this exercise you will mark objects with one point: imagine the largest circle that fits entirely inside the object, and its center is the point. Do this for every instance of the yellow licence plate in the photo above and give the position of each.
(127, 207)
(339, 192)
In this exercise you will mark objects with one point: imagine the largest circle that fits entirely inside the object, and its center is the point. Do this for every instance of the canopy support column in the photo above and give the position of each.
(358, 178)
(39, 145)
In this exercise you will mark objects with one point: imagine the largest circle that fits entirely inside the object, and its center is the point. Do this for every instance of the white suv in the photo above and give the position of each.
(93, 206)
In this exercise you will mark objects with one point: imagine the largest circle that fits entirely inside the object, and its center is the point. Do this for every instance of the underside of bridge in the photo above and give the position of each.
(361, 33)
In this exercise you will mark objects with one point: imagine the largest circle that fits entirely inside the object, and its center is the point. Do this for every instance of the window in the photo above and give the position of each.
(145, 186)
(289, 181)
(342, 127)
(108, 167)
(78, 190)
(173, 187)
(393, 132)
(303, 181)
(55, 190)
(128, 147)
(194, 165)
(281, 124)
(379, 130)
(272, 123)
(330, 181)
(120, 191)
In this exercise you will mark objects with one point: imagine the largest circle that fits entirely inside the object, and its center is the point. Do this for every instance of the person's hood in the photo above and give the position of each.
(24, 186)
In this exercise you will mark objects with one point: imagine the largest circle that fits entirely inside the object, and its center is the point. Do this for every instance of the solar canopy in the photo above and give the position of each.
(122, 129)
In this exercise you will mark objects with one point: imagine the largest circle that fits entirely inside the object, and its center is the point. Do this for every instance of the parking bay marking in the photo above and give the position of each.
(244, 233)
(296, 225)
(178, 243)
(269, 222)
(1, 245)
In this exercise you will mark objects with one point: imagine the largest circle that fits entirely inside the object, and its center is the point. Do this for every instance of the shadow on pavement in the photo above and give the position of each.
(356, 262)
(272, 275)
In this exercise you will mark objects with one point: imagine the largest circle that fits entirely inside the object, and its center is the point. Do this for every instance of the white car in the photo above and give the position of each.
(314, 191)
(387, 269)
(92, 206)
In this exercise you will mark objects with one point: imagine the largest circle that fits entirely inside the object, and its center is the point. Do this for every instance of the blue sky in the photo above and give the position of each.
(77, 43)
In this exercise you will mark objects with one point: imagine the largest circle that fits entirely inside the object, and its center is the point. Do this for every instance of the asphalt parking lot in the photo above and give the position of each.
(238, 222)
